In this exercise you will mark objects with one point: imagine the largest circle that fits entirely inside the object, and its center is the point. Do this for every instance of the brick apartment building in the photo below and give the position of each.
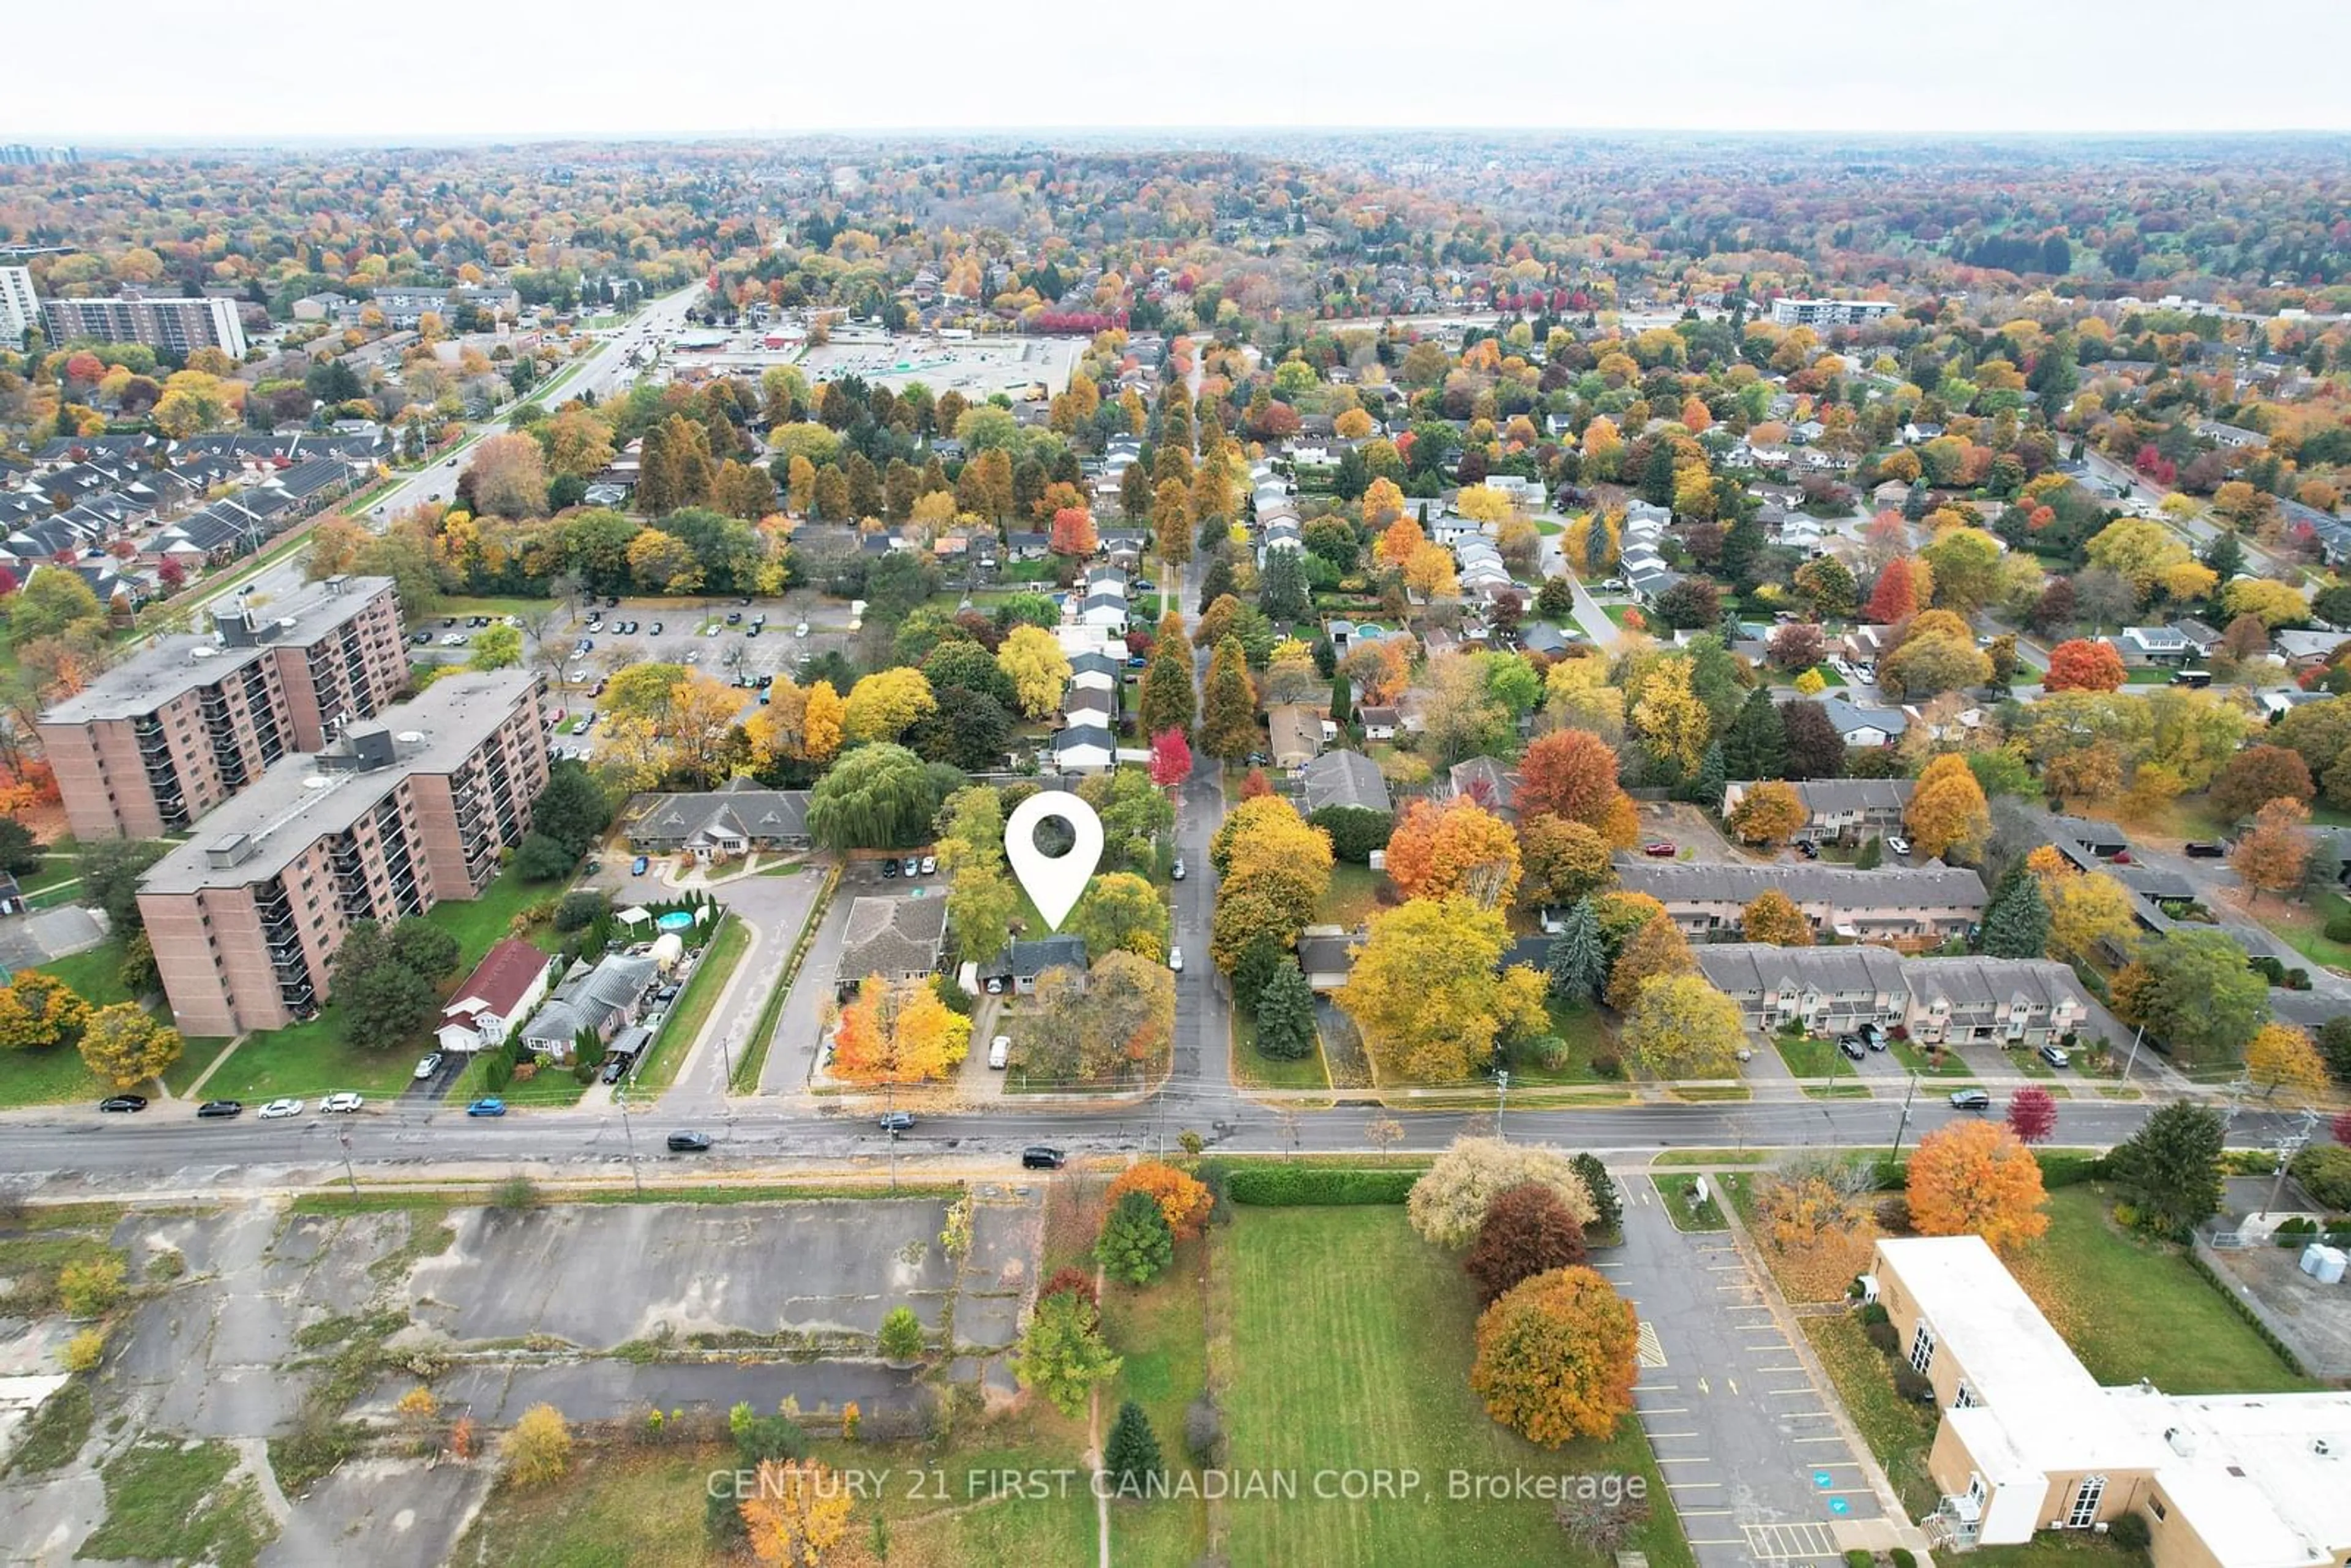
(178, 326)
(391, 819)
(156, 742)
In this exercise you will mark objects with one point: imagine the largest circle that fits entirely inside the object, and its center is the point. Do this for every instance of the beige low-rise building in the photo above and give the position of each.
(1901, 906)
(2030, 1441)
(394, 818)
(1940, 1001)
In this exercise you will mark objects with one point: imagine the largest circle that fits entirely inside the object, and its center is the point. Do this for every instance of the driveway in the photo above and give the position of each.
(1753, 1456)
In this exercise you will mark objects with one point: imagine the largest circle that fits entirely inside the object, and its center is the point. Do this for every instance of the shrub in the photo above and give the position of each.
(1450, 1203)
(2131, 1531)
(1912, 1384)
(1290, 1187)
(2060, 1169)
(1894, 1215)
(1857, 1558)
(539, 1450)
(578, 911)
(1608, 1064)
(902, 1335)
(1903, 1557)
(1135, 1241)
(89, 1288)
(958, 1000)
(1881, 1334)
(83, 1351)
(1608, 1203)
(2338, 926)
(1075, 1281)
(1872, 1313)
(516, 1195)
(2325, 1172)
(1204, 1431)
(1547, 1051)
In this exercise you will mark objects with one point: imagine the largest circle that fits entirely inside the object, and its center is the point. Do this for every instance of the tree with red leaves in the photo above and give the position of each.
(1073, 532)
(1171, 759)
(2032, 1114)
(1255, 785)
(1527, 1231)
(1895, 597)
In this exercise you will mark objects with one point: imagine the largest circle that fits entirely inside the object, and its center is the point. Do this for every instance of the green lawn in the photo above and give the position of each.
(94, 974)
(1676, 1190)
(1587, 1036)
(479, 925)
(166, 1501)
(309, 1059)
(195, 1055)
(1810, 1058)
(1161, 1334)
(2179, 1330)
(1254, 1070)
(1918, 1061)
(51, 1076)
(1351, 1346)
(58, 864)
(1352, 897)
(1898, 1431)
(692, 1009)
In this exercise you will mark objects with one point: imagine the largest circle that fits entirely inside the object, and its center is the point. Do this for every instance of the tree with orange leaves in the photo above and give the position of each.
(1571, 773)
(897, 1033)
(1457, 849)
(2084, 665)
(2275, 851)
(1185, 1200)
(1557, 1357)
(1896, 596)
(1073, 532)
(1977, 1178)
(797, 1513)
(1396, 545)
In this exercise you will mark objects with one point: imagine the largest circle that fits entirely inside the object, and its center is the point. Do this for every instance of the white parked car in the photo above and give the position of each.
(344, 1101)
(1175, 959)
(278, 1110)
(428, 1067)
(1900, 846)
(999, 1052)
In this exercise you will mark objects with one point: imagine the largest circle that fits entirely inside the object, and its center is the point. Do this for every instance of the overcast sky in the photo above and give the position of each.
(266, 70)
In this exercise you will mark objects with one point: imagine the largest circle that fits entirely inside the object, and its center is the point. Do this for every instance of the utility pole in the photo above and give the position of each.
(891, 1091)
(1501, 1101)
(621, 1099)
(344, 1133)
(2132, 1060)
(1903, 1126)
(2290, 1145)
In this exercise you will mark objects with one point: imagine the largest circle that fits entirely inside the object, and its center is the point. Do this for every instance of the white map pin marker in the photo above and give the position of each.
(1053, 885)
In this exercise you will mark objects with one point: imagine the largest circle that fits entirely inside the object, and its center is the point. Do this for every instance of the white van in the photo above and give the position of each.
(999, 1052)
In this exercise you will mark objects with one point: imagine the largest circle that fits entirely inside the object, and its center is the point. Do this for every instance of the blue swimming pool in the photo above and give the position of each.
(675, 920)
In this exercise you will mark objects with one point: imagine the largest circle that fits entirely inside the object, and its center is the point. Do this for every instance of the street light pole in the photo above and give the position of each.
(2132, 1060)
(1501, 1101)
(621, 1099)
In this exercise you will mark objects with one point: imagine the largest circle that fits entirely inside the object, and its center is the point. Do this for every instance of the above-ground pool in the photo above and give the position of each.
(675, 920)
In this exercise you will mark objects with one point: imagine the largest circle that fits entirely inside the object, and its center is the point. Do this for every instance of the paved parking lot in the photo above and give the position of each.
(1753, 1456)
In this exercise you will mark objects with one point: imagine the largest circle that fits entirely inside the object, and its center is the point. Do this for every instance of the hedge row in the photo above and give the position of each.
(1295, 1186)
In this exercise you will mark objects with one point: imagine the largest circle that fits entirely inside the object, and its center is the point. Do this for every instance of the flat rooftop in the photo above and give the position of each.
(173, 665)
(303, 798)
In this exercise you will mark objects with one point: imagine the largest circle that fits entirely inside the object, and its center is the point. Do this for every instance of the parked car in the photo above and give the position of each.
(1175, 959)
(279, 1110)
(128, 1104)
(930, 864)
(896, 1121)
(342, 1103)
(213, 1110)
(1661, 848)
(1850, 1045)
(2056, 1056)
(890, 869)
(1872, 1036)
(487, 1106)
(800, 629)
(616, 1067)
(1900, 846)
(999, 1053)
(2206, 848)
(1177, 871)
(1040, 1157)
(654, 630)
(688, 1142)
(735, 617)
(913, 865)
(1809, 849)
(1970, 1100)
(638, 866)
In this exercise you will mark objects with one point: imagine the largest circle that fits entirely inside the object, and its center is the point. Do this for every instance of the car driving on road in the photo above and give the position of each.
(487, 1106)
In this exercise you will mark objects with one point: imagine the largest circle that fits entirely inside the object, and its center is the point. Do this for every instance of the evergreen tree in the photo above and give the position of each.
(1608, 1203)
(1218, 580)
(1136, 1242)
(1742, 549)
(1342, 711)
(2226, 556)
(1254, 970)
(1167, 700)
(1577, 962)
(1872, 855)
(1281, 592)
(2017, 923)
(1657, 475)
(1131, 1458)
(1755, 747)
(1285, 1015)
(1599, 549)
(2169, 1170)
(1705, 784)
(1229, 707)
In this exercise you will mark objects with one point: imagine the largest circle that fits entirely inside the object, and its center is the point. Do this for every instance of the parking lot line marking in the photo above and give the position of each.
(1831, 1437)
(1667, 1410)
(1779, 1369)
(1716, 1541)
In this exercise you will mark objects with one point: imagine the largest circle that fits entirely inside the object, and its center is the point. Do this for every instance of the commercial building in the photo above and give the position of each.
(1897, 905)
(1830, 312)
(391, 819)
(1953, 1002)
(173, 326)
(18, 309)
(157, 741)
(2030, 1440)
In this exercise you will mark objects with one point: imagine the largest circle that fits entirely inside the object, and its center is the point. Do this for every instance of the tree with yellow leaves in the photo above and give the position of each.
(1768, 813)
(1484, 503)
(1426, 993)
(1398, 544)
(798, 1513)
(1948, 811)
(1658, 947)
(822, 728)
(1383, 505)
(1458, 849)
(2281, 1057)
(1771, 916)
(882, 706)
(1680, 1026)
(1557, 1357)
(1668, 717)
(1031, 657)
(1976, 1178)
(2086, 910)
(1430, 574)
(898, 1033)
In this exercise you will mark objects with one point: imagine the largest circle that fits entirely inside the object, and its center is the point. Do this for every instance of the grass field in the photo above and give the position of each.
(1676, 1190)
(307, 1059)
(1810, 1058)
(1255, 1069)
(1353, 896)
(1586, 1033)
(1351, 1349)
(94, 974)
(1919, 1062)
(2180, 1333)
(693, 1004)
(166, 1501)
(1898, 1431)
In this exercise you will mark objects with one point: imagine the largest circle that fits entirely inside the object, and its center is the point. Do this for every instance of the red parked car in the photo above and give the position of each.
(1663, 847)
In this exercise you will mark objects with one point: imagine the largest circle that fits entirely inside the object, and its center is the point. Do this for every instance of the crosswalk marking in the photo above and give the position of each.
(1786, 1542)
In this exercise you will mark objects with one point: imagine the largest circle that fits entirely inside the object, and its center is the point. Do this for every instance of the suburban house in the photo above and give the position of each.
(896, 938)
(1941, 1002)
(1344, 778)
(1864, 726)
(2030, 1441)
(511, 979)
(1295, 732)
(2156, 645)
(1326, 954)
(1090, 705)
(1488, 783)
(720, 824)
(1840, 808)
(1095, 672)
(1898, 906)
(1017, 967)
(1379, 722)
(1083, 749)
(606, 999)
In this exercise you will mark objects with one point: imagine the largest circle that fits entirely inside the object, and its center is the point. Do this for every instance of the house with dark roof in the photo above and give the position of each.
(896, 938)
(1017, 967)
(1899, 905)
(605, 999)
(511, 979)
(1344, 778)
(1488, 782)
(719, 824)
(1326, 954)
(1083, 749)
(1840, 808)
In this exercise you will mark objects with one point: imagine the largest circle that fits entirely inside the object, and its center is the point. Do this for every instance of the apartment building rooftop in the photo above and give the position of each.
(182, 662)
(1931, 883)
(258, 833)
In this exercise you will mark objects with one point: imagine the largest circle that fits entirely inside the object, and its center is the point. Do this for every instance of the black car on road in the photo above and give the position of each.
(1040, 1157)
(688, 1142)
(211, 1110)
